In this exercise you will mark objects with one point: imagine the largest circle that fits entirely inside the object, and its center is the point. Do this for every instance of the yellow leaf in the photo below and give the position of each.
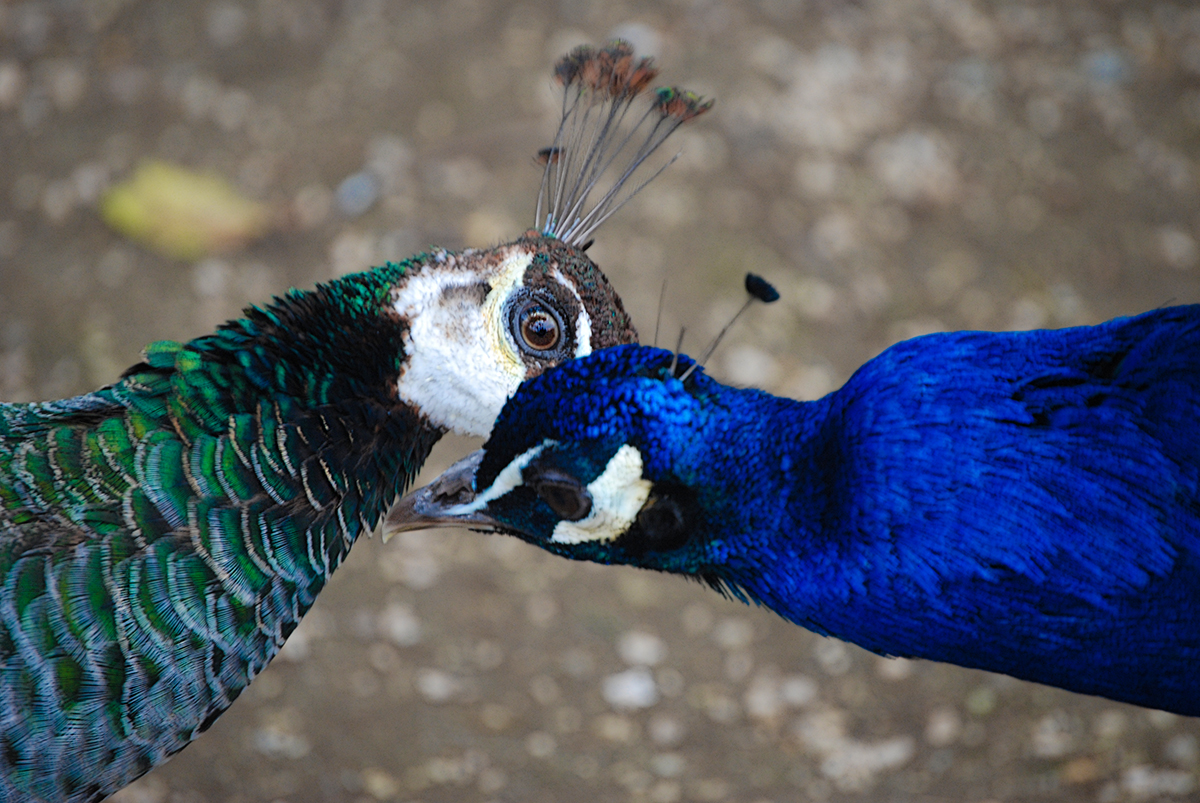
(181, 213)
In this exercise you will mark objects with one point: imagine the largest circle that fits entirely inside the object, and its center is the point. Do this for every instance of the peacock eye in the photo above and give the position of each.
(565, 496)
(540, 329)
(661, 525)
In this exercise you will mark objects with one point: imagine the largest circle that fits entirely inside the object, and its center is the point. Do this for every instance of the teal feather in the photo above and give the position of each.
(161, 537)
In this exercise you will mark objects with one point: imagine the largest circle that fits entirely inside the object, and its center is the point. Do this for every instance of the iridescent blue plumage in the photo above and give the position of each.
(1024, 502)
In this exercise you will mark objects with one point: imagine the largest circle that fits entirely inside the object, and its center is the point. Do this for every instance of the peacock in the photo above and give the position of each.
(162, 536)
(1021, 502)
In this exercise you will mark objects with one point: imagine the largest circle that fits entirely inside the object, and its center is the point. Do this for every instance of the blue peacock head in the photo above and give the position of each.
(594, 461)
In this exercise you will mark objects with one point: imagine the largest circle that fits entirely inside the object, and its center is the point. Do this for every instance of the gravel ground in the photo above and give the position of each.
(896, 166)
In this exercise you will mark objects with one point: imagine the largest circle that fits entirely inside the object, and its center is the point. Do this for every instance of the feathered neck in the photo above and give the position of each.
(337, 343)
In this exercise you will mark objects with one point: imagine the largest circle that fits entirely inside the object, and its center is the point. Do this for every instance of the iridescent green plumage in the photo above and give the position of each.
(161, 537)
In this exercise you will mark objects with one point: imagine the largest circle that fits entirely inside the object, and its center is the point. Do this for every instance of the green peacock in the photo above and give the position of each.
(162, 536)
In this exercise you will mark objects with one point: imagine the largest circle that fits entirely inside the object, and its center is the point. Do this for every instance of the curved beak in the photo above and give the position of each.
(442, 503)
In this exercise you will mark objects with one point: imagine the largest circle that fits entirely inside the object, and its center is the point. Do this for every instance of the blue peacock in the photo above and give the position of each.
(161, 537)
(1022, 502)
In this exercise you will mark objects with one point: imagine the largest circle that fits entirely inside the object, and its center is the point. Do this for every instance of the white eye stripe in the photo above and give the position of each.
(618, 495)
(583, 324)
(510, 477)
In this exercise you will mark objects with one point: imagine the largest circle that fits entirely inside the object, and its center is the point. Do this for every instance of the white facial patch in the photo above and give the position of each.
(617, 496)
(461, 365)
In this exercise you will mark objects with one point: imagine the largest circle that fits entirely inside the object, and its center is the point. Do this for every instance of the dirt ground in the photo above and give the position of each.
(895, 166)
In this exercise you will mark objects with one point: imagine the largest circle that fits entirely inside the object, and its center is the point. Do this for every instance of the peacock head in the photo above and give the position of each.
(477, 323)
(480, 322)
(595, 460)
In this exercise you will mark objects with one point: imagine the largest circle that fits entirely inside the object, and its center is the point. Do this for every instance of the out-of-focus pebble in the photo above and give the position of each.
(633, 688)
(1178, 248)
(639, 648)
(12, 84)
(733, 633)
(1143, 782)
(437, 686)
(226, 23)
(400, 625)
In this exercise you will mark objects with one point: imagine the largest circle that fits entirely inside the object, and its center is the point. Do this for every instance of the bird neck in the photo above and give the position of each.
(1016, 518)
(299, 397)
(337, 342)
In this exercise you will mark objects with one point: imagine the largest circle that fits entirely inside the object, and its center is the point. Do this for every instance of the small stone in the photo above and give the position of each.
(733, 633)
(226, 23)
(356, 194)
(496, 717)
(541, 609)
(399, 624)
(615, 728)
(639, 648)
(544, 689)
(645, 40)
(276, 742)
(12, 85)
(697, 619)
(942, 727)
(210, 277)
(633, 688)
(1027, 313)
(437, 686)
(835, 235)
(748, 366)
(916, 167)
(379, 784)
(541, 744)
(894, 668)
(666, 730)
(1183, 750)
(1178, 248)
(833, 656)
(1109, 66)
(981, 701)
(1143, 782)
(762, 699)
(798, 691)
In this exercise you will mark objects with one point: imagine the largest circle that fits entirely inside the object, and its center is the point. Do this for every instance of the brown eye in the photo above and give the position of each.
(539, 328)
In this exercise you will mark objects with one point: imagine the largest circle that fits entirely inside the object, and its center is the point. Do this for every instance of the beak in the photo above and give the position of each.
(441, 503)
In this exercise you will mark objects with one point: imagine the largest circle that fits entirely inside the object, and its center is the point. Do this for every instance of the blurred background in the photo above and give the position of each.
(896, 167)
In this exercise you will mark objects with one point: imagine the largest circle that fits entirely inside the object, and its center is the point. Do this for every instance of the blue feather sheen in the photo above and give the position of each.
(1023, 502)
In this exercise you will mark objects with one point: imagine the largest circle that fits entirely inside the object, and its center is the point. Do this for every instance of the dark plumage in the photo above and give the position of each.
(1026, 503)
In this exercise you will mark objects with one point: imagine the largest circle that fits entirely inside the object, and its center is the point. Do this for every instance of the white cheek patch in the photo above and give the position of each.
(617, 496)
(460, 367)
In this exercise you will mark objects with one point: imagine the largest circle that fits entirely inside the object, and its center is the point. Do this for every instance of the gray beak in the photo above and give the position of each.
(439, 504)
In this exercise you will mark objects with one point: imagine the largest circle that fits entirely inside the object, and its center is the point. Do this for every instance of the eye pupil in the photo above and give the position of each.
(539, 329)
